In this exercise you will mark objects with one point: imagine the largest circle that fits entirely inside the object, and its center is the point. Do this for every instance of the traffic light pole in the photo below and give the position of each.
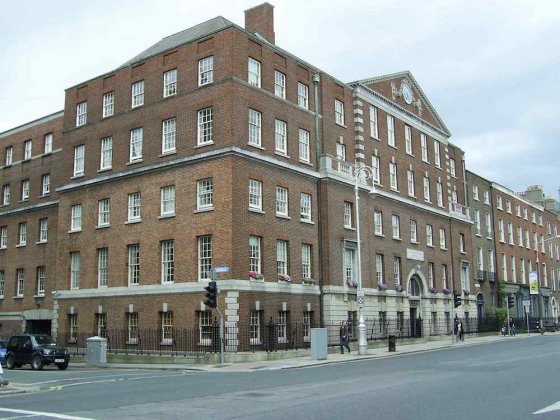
(507, 309)
(212, 302)
(221, 335)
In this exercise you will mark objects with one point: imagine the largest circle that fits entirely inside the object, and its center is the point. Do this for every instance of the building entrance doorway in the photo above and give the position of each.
(415, 292)
(480, 305)
(38, 326)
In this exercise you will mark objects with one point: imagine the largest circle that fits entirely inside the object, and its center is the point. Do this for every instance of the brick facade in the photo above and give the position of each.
(281, 168)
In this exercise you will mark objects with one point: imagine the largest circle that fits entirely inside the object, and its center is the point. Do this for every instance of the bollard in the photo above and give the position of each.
(392, 343)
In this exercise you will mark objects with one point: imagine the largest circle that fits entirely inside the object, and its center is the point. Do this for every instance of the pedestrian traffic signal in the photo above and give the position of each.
(511, 301)
(211, 294)
(456, 299)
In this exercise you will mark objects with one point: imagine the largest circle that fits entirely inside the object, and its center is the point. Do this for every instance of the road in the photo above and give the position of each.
(510, 379)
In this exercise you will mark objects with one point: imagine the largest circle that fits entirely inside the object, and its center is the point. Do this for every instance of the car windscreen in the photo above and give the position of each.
(44, 340)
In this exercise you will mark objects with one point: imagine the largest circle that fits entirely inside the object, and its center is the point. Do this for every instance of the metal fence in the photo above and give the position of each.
(271, 337)
(197, 341)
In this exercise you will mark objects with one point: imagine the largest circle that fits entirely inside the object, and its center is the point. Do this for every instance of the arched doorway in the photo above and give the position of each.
(480, 306)
(414, 300)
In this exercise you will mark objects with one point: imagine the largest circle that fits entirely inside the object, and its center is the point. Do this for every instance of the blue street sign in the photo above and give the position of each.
(222, 269)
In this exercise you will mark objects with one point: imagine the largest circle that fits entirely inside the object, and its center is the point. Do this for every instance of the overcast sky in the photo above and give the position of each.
(490, 68)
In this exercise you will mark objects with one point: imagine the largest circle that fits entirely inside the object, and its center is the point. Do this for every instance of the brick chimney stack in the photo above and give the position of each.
(260, 19)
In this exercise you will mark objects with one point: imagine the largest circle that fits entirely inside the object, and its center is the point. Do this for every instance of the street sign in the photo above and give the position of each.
(526, 304)
(360, 297)
(526, 298)
(222, 269)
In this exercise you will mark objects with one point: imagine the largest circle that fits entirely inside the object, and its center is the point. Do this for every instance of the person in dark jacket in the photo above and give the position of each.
(344, 337)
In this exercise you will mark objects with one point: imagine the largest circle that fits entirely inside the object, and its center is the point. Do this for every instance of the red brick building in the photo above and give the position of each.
(216, 148)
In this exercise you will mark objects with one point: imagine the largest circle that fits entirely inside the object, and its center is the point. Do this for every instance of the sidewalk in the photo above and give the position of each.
(307, 361)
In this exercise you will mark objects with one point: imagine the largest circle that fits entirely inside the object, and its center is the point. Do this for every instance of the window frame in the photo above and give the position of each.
(108, 104)
(206, 70)
(136, 144)
(106, 157)
(303, 95)
(305, 207)
(81, 114)
(133, 256)
(75, 265)
(102, 267)
(339, 112)
(134, 202)
(137, 94)
(254, 72)
(205, 194)
(205, 253)
(47, 143)
(168, 136)
(167, 261)
(255, 128)
(279, 84)
(79, 160)
(170, 83)
(168, 201)
(205, 126)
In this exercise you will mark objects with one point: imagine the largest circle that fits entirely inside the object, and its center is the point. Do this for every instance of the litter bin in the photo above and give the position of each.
(392, 343)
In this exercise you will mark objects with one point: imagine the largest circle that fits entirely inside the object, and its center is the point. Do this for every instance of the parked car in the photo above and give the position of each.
(37, 350)
(3, 344)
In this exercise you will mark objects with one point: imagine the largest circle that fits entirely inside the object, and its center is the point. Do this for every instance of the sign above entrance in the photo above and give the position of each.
(414, 254)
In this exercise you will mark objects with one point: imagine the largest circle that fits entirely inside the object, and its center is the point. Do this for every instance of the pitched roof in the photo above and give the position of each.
(180, 38)
(415, 84)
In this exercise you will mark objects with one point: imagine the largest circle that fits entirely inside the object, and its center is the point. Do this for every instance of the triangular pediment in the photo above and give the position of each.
(404, 92)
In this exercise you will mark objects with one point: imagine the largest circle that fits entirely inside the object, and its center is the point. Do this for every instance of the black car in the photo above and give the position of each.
(37, 350)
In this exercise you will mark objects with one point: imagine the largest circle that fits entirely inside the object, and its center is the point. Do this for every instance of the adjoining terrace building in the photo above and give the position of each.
(513, 237)
(216, 148)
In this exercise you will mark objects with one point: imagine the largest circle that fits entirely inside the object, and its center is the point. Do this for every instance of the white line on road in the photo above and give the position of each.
(42, 413)
(90, 377)
(552, 407)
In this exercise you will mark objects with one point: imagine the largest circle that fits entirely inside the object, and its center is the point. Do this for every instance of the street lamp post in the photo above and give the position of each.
(361, 172)
(539, 296)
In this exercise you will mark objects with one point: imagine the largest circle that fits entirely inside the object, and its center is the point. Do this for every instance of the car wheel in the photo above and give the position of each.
(37, 363)
(62, 366)
(10, 362)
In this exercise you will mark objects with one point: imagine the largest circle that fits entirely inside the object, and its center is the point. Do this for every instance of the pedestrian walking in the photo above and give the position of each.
(458, 331)
(511, 327)
(344, 337)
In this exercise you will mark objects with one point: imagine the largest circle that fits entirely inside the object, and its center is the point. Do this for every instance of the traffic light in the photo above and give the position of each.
(456, 299)
(511, 301)
(211, 294)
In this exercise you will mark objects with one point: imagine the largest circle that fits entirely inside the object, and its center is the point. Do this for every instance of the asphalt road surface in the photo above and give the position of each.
(510, 379)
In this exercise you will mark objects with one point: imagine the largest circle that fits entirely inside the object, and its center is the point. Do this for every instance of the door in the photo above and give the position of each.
(26, 350)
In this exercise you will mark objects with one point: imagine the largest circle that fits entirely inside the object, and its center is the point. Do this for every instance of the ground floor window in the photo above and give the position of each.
(73, 327)
(400, 322)
(307, 323)
(382, 322)
(132, 327)
(255, 327)
(167, 328)
(205, 328)
(282, 327)
(101, 322)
